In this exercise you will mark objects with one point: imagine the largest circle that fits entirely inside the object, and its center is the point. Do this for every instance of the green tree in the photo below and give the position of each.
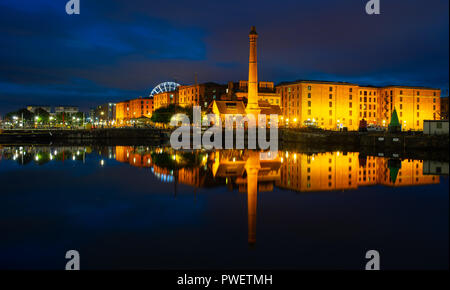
(42, 115)
(27, 115)
(164, 114)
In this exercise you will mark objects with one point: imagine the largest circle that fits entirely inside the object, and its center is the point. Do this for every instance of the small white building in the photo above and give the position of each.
(435, 127)
(66, 109)
(435, 167)
(33, 109)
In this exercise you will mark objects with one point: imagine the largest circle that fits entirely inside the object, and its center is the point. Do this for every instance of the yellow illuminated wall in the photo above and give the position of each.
(136, 108)
(413, 105)
(164, 99)
(370, 105)
(326, 104)
(410, 173)
(331, 105)
(126, 154)
(339, 171)
(324, 171)
(200, 94)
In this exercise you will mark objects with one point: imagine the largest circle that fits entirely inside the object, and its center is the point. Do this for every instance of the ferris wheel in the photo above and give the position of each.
(164, 87)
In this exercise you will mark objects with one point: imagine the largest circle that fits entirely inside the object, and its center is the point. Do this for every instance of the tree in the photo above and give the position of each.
(164, 114)
(42, 115)
(27, 115)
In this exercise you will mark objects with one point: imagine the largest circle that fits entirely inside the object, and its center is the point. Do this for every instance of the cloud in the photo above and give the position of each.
(124, 48)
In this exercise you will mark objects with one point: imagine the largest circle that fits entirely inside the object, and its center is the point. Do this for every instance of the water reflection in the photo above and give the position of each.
(247, 171)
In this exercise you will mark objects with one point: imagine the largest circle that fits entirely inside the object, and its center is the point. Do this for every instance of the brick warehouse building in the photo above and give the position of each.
(133, 109)
(333, 105)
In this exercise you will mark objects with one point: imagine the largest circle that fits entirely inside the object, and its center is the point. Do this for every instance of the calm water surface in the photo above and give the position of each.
(153, 208)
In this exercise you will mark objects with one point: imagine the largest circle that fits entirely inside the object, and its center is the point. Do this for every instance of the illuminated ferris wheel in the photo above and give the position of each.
(164, 87)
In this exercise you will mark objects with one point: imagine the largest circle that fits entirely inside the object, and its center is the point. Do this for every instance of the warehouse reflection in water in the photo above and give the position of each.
(249, 171)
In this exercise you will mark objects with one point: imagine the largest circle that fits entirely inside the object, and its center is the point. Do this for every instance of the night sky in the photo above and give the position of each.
(116, 50)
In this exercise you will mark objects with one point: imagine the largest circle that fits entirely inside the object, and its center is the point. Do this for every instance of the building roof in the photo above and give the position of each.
(268, 109)
(315, 82)
(353, 84)
(203, 84)
(409, 87)
(230, 107)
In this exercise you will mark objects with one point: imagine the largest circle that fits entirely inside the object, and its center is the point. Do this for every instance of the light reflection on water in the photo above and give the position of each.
(178, 173)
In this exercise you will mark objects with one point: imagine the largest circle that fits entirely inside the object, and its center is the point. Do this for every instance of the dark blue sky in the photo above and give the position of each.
(115, 50)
